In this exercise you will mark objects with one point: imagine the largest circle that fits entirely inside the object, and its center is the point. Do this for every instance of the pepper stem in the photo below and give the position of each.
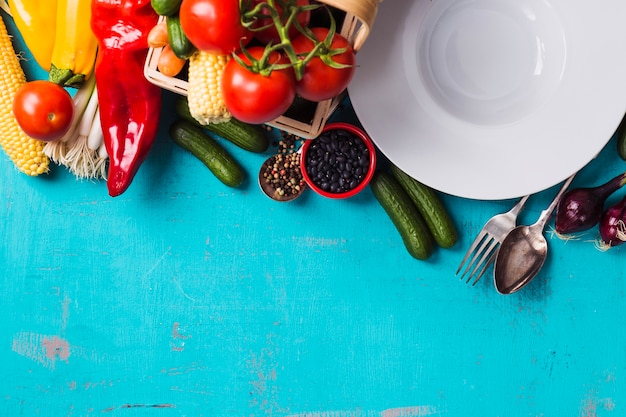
(65, 77)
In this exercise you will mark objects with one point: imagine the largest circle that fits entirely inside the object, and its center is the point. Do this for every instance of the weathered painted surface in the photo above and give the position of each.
(185, 298)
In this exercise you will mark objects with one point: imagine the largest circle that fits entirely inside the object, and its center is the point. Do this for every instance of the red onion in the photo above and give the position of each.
(581, 208)
(613, 225)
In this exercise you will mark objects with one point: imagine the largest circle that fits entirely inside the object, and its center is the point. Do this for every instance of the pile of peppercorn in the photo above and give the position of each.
(282, 171)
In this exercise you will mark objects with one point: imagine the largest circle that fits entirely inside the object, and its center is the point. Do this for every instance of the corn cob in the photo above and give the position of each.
(206, 103)
(25, 152)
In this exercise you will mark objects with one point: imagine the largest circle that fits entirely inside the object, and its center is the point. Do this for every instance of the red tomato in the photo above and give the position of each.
(253, 97)
(270, 34)
(44, 110)
(320, 81)
(214, 25)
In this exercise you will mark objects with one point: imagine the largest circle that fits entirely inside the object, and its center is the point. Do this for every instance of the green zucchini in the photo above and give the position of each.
(621, 139)
(179, 42)
(430, 206)
(404, 214)
(166, 7)
(193, 139)
(253, 138)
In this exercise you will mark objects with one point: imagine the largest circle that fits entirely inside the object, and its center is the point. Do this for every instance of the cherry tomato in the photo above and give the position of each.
(269, 33)
(214, 25)
(44, 110)
(254, 97)
(320, 81)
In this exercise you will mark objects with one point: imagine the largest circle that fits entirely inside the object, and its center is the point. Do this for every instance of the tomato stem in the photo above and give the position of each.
(269, 8)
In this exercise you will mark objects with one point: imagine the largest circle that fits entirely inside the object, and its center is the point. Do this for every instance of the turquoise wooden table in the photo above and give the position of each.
(183, 297)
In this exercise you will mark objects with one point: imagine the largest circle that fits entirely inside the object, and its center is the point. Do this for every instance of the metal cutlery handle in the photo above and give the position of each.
(545, 214)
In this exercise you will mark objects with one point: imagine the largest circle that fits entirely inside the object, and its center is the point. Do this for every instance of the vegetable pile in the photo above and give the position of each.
(250, 59)
(96, 114)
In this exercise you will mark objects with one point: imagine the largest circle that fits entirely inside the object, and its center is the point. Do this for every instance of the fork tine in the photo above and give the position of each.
(469, 252)
(485, 266)
(483, 263)
(478, 256)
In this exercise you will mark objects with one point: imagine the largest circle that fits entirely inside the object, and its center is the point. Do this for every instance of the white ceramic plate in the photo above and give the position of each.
(492, 99)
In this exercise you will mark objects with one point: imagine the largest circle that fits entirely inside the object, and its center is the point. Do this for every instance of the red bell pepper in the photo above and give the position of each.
(130, 106)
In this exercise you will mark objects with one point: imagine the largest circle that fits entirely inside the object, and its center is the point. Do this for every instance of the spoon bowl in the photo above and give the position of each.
(524, 251)
(521, 255)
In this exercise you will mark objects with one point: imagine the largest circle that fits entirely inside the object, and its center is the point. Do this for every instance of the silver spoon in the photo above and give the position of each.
(523, 251)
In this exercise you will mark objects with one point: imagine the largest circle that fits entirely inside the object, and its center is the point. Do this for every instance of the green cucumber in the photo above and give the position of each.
(166, 7)
(179, 42)
(193, 139)
(430, 206)
(404, 214)
(253, 138)
(621, 139)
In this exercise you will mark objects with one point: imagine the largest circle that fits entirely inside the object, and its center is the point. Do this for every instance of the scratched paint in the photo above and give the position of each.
(141, 406)
(410, 411)
(42, 349)
(178, 338)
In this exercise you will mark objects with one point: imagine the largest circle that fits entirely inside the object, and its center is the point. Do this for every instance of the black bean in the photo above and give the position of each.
(338, 161)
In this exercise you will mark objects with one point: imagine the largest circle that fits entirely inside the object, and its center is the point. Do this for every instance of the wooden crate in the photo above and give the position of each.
(305, 119)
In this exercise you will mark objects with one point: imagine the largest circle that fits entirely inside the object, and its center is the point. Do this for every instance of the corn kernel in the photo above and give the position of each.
(25, 152)
(206, 103)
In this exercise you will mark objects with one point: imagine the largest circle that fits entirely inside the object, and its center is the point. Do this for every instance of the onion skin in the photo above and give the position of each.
(581, 209)
(613, 225)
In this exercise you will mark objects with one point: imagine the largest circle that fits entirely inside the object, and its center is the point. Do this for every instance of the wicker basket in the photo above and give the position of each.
(304, 119)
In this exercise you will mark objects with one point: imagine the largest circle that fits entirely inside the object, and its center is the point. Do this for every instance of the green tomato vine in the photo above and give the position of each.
(252, 13)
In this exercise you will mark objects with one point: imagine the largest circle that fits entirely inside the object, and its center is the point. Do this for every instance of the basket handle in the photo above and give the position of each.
(364, 10)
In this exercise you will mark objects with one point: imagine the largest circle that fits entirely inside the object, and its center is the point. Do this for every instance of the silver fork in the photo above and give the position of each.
(483, 250)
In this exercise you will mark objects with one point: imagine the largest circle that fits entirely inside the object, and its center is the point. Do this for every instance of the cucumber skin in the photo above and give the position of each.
(249, 137)
(166, 7)
(208, 151)
(180, 44)
(404, 215)
(430, 206)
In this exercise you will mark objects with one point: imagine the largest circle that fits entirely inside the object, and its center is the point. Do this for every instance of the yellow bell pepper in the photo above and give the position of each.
(75, 45)
(36, 20)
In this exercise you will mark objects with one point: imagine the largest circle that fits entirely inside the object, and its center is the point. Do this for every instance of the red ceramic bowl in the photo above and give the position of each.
(309, 170)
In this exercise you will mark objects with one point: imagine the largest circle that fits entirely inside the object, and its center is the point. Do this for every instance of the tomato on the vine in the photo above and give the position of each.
(43, 109)
(214, 25)
(269, 33)
(320, 81)
(257, 97)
